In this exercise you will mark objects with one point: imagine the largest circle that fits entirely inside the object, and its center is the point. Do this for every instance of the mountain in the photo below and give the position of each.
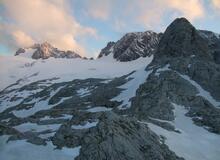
(213, 40)
(160, 104)
(44, 51)
(132, 46)
(185, 72)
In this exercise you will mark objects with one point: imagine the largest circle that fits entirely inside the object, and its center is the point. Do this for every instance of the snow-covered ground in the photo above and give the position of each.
(165, 68)
(137, 78)
(194, 142)
(36, 128)
(85, 126)
(39, 105)
(21, 150)
(29, 70)
(98, 109)
(82, 92)
(202, 92)
(28, 53)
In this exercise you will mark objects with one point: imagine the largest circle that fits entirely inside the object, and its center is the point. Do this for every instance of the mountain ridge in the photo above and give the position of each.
(159, 104)
(46, 50)
(132, 45)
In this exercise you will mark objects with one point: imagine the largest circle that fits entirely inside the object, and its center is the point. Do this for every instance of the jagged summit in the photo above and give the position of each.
(181, 39)
(132, 46)
(45, 50)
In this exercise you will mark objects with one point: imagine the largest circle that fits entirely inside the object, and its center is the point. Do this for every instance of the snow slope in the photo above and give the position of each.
(22, 150)
(14, 68)
(138, 77)
(193, 142)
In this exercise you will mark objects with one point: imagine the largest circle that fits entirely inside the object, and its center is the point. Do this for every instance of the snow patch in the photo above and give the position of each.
(86, 126)
(64, 116)
(138, 78)
(20, 149)
(203, 93)
(28, 53)
(36, 127)
(193, 142)
(165, 68)
(38, 106)
(82, 92)
(98, 109)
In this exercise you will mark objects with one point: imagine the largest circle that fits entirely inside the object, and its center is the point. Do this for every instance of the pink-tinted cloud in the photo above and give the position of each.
(22, 39)
(151, 13)
(41, 20)
(216, 4)
(144, 12)
(99, 9)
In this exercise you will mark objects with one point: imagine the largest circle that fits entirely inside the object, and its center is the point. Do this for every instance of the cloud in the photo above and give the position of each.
(216, 4)
(99, 9)
(119, 25)
(192, 9)
(152, 13)
(37, 21)
(147, 13)
(22, 39)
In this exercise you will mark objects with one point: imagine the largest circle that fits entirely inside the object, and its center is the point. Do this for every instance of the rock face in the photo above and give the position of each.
(132, 46)
(46, 50)
(123, 138)
(72, 106)
(181, 39)
(213, 40)
(185, 72)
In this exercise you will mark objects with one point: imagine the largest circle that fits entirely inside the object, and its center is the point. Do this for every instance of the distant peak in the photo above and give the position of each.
(45, 50)
(132, 46)
(46, 44)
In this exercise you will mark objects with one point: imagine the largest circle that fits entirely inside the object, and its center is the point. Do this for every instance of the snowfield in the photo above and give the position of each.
(20, 71)
(193, 143)
(137, 78)
(27, 70)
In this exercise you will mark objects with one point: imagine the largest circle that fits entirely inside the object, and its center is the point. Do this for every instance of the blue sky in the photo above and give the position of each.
(86, 26)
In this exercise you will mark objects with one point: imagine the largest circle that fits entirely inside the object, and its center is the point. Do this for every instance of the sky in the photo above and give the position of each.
(86, 26)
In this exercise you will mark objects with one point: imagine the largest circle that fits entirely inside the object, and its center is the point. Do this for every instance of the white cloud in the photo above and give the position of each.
(146, 13)
(216, 4)
(41, 20)
(99, 9)
(119, 25)
(191, 9)
(22, 39)
(151, 13)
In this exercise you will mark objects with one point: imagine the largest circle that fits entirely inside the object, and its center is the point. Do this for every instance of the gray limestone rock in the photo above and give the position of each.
(132, 46)
(46, 50)
(123, 138)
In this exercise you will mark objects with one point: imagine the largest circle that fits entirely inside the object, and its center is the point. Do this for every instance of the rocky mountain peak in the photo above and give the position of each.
(107, 50)
(132, 46)
(181, 39)
(45, 50)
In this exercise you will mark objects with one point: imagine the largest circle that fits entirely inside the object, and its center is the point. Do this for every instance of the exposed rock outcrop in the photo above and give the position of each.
(132, 46)
(44, 51)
